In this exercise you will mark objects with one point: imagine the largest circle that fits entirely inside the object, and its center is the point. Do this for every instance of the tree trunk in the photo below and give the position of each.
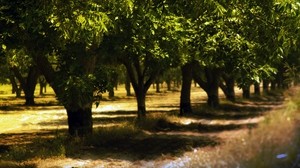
(213, 96)
(257, 89)
(111, 93)
(43, 85)
(15, 88)
(127, 86)
(212, 87)
(185, 97)
(141, 105)
(266, 86)
(28, 84)
(228, 87)
(157, 86)
(168, 85)
(246, 92)
(80, 122)
(273, 85)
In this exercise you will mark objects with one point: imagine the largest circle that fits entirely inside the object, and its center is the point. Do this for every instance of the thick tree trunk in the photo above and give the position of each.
(273, 85)
(266, 86)
(210, 84)
(246, 92)
(141, 105)
(28, 84)
(212, 87)
(80, 122)
(213, 96)
(15, 88)
(111, 93)
(228, 87)
(141, 83)
(185, 97)
(257, 88)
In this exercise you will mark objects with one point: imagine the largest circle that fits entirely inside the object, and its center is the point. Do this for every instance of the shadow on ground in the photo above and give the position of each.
(163, 138)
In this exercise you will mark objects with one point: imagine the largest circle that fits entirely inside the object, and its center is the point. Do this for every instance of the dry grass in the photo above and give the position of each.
(274, 143)
(164, 133)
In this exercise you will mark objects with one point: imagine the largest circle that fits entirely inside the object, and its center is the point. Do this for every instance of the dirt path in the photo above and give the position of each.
(37, 120)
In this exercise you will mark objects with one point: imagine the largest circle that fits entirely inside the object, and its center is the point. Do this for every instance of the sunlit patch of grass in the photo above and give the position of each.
(105, 136)
(8, 164)
(157, 122)
(275, 143)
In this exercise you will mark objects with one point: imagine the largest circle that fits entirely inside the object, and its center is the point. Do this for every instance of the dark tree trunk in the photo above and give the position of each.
(210, 85)
(185, 97)
(43, 85)
(212, 89)
(79, 116)
(257, 88)
(111, 93)
(213, 95)
(168, 85)
(141, 83)
(246, 92)
(127, 86)
(157, 86)
(273, 85)
(228, 87)
(141, 104)
(15, 88)
(41, 89)
(28, 84)
(80, 122)
(266, 86)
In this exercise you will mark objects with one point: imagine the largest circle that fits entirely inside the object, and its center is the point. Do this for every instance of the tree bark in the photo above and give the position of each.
(213, 95)
(273, 85)
(127, 86)
(168, 85)
(80, 122)
(28, 84)
(141, 104)
(141, 81)
(15, 88)
(157, 86)
(43, 85)
(185, 97)
(210, 85)
(246, 92)
(111, 93)
(228, 87)
(257, 89)
(266, 86)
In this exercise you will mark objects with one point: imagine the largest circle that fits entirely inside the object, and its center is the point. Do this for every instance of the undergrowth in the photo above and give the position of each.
(274, 143)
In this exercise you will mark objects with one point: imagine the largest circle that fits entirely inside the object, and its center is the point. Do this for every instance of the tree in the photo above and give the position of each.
(25, 71)
(70, 31)
(146, 41)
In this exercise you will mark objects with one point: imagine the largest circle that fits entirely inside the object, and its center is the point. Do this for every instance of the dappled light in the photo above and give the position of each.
(133, 83)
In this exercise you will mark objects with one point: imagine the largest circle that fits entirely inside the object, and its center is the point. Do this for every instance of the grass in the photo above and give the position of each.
(274, 143)
(163, 133)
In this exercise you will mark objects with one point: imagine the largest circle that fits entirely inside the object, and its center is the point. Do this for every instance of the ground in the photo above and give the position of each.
(166, 145)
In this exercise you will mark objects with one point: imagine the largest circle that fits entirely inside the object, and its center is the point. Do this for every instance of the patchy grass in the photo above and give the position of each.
(119, 137)
(275, 143)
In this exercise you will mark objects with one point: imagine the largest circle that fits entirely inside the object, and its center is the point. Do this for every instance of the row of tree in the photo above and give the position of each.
(215, 42)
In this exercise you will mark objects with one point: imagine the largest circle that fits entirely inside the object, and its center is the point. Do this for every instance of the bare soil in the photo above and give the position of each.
(168, 143)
